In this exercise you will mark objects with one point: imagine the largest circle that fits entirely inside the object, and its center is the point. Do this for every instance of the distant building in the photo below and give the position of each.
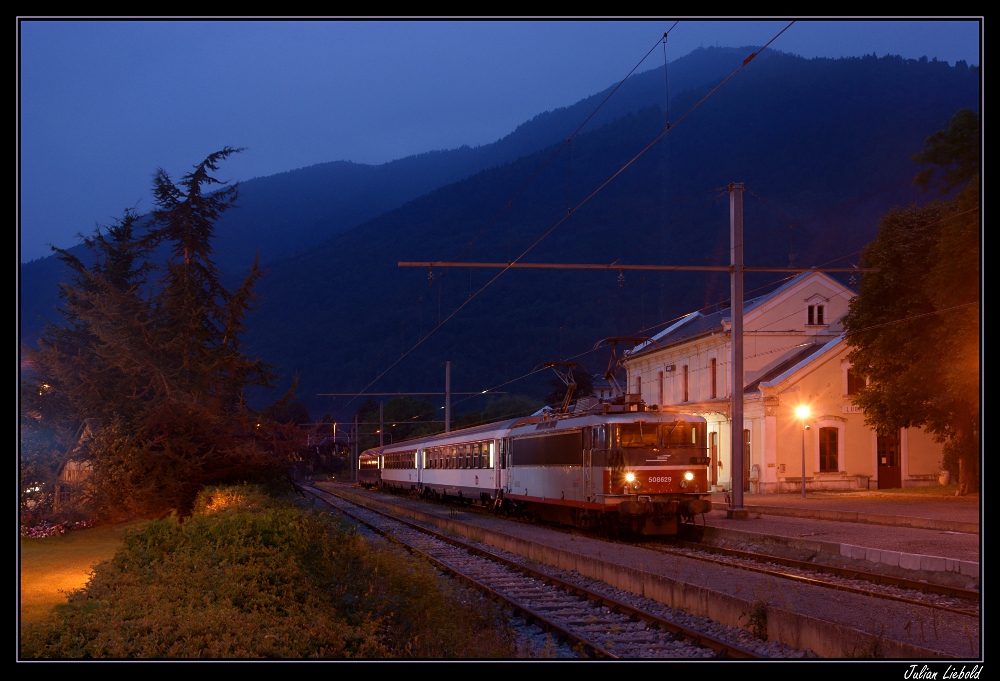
(74, 470)
(794, 355)
(603, 388)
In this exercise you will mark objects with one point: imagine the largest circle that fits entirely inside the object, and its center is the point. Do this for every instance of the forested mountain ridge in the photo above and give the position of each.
(829, 138)
(806, 136)
(289, 211)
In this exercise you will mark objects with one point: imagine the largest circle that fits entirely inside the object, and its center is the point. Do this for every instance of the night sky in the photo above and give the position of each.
(102, 104)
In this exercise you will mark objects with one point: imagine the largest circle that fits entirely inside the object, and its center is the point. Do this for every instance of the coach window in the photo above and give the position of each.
(477, 450)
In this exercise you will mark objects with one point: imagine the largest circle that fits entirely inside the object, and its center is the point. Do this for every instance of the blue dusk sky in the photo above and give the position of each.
(103, 103)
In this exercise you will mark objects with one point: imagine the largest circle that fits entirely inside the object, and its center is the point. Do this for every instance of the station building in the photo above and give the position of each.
(794, 356)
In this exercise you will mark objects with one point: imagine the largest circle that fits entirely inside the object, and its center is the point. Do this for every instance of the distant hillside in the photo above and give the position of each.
(805, 136)
(283, 213)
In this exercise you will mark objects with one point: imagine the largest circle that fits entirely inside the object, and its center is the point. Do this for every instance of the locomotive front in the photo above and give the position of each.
(655, 470)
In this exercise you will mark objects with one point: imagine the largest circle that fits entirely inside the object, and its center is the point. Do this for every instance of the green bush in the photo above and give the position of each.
(248, 576)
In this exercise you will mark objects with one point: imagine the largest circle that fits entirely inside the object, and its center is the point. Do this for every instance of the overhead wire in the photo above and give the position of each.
(538, 172)
(624, 167)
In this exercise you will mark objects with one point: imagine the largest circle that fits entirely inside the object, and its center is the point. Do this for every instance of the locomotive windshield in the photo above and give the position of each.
(651, 435)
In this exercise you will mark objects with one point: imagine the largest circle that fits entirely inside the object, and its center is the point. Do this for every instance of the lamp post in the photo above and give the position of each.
(803, 414)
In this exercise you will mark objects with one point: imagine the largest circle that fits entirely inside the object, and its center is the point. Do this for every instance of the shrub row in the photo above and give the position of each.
(249, 576)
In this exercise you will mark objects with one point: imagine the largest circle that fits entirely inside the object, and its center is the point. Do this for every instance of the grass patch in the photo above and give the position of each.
(52, 567)
(248, 576)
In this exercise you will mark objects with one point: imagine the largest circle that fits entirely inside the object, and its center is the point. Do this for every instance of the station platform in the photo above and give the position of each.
(916, 534)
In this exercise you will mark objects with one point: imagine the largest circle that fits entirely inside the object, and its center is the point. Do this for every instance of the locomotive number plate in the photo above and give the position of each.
(660, 478)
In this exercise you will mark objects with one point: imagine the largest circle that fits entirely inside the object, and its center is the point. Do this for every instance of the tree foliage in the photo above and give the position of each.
(157, 361)
(914, 325)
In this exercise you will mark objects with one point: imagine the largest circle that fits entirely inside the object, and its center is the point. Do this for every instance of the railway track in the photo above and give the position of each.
(594, 625)
(874, 585)
(914, 592)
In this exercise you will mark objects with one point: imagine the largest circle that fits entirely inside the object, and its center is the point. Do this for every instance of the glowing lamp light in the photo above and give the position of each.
(689, 476)
(802, 412)
(630, 477)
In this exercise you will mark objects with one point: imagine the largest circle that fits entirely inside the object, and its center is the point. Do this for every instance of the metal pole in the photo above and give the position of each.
(354, 458)
(447, 397)
(803, 459)
(736, 510)
(381, 426)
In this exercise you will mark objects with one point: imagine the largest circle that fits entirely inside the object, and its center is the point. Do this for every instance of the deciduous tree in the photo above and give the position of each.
(914, 325)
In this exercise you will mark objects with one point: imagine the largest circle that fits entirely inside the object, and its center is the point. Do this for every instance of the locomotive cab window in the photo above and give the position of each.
(682, 434)
(600, 437)
(637, 435)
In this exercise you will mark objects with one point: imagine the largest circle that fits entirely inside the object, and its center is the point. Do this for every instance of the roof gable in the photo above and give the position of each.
(798, 365)
(758, 313)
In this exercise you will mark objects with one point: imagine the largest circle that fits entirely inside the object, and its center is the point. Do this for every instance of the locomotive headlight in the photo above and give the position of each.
(689, 476)
(630, 477)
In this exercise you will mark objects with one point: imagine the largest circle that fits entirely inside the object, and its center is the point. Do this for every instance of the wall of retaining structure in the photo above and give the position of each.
(826, 639)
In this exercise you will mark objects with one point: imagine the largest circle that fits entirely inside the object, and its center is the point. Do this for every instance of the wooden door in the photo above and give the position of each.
(746, 459)
(890, 469)
(713, 447)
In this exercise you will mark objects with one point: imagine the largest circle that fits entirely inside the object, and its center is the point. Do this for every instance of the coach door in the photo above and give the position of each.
(505, 463)
(588, 461)
(890, 470)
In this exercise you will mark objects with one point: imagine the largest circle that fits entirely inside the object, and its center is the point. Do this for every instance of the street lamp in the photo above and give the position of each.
(803, 413)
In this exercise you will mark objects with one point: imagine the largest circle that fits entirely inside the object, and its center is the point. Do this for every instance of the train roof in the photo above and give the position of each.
(532, 424)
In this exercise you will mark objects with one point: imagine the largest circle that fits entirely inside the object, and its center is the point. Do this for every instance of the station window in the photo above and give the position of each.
(828, 450)
(815, 315)
(854, 383)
